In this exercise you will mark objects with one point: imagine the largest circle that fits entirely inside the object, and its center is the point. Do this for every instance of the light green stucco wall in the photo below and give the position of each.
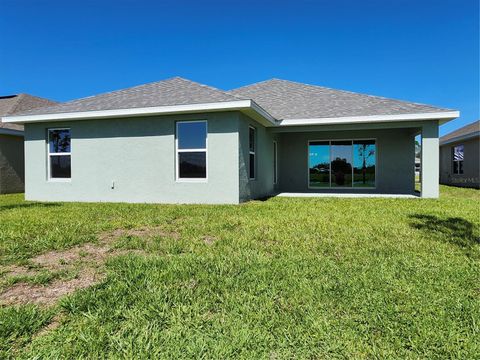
(138, 154)
(11, 164)
(262, 185)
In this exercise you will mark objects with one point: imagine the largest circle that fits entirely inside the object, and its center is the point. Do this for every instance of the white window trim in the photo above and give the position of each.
(254, 153)
(330, 167)
(275, 162)
(177, 151)
(49, 155)
(457, 161)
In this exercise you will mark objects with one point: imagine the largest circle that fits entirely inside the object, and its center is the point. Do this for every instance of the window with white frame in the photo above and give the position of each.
(59, 154)
(191, 150)
(252, 149)
(275, 165)
(457, 157)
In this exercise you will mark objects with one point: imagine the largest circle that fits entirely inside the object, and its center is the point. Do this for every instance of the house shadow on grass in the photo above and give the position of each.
(453, 230)
(27, 205)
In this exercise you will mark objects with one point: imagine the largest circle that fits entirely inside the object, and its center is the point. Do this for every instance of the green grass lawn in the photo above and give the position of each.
(283, 278)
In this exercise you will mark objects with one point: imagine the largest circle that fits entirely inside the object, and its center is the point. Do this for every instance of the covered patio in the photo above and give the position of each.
(362, 159)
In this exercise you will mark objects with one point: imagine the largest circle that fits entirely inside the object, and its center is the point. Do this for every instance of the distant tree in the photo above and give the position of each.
(61, 142)
(418, 149)
(365, 152)
(340, 167)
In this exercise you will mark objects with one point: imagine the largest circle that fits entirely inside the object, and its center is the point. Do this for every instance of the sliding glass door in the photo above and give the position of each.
(342, 164)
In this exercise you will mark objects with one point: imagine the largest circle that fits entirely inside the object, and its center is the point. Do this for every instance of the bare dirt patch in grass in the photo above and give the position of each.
(88, 260)
(59, 260)
(146, 232)
(15, 270)
(22, 293)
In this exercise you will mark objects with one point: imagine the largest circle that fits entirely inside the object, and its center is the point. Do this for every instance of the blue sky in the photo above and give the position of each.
(420, 50)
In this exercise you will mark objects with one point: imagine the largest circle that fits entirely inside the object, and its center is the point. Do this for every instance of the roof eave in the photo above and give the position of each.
(455, 139)
(6, 131)
(247, 106)
(442, 116)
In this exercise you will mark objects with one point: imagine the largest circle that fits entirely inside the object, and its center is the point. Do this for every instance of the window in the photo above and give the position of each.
(342, 164)
(59, 154)
(252, 148)
(191, 150)
(275, 166)
(457, 157)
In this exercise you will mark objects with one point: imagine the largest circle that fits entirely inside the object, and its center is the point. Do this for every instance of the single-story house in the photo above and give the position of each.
(178, 141)
(11, 141)
(460, 156)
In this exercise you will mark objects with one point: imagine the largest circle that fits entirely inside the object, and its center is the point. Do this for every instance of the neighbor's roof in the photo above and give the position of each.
(12, 104)
(174, 91)
(271, 100)
(466, 132)
(292, 100)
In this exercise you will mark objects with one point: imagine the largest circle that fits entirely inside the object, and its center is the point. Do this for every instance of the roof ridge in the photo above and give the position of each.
(344, 91)
(20, 97)
(210, 87)
(35, 96)
(173, 90)
(363, 94)
(16, 102)
(248, 85)
(130, 88)
(118, 90)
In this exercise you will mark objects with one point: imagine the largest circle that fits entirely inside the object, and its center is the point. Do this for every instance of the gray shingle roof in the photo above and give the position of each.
(469, 129)
(281, 98)
(285, 99)
(174, 91)
(13, 104)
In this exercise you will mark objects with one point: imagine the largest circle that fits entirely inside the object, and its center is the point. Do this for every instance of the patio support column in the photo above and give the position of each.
(430, 160)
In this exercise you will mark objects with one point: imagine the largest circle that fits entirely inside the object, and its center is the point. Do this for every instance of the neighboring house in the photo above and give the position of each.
(177, 141)
(460, 156)
(418, 155)
(11, 141)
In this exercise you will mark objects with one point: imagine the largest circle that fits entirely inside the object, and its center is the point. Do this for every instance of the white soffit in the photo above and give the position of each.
(445, 115)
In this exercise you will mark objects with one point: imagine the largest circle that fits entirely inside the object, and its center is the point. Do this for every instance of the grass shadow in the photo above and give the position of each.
(453, 230)
(27, 205)
(265, 198)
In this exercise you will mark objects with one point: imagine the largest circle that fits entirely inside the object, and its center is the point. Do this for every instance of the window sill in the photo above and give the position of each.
(191, 180)
(59, 180)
